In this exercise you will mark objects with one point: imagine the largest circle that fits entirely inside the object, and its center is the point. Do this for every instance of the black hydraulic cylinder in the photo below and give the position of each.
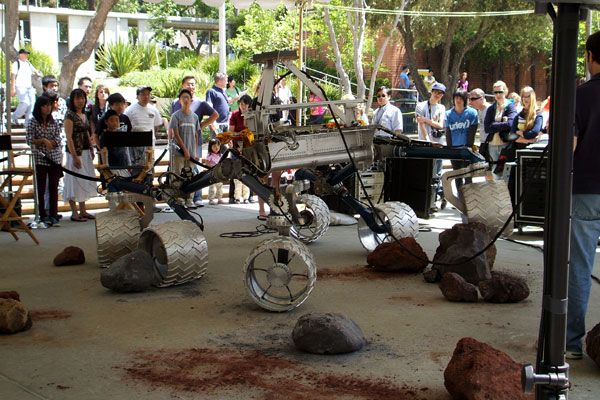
(558, 201)
(262, 191)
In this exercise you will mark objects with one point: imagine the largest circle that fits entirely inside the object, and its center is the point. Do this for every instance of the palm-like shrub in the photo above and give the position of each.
(149, 55)
(117, 59)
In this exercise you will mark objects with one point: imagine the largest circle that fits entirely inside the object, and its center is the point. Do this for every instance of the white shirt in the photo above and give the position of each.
(434, 112)
(284, 94)
(390, 117)
(144, 119)
(23, 71)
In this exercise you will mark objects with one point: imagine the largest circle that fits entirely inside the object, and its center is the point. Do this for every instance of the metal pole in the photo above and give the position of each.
(588, 33)
(558, 202)
(222, 39)
(300, 60)
(8, 76)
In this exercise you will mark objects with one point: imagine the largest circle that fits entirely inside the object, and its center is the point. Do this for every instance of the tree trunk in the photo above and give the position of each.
(409, 48)
(344, 79)
(12, 16)
(390, 31)
(358, 36)
(83, 50)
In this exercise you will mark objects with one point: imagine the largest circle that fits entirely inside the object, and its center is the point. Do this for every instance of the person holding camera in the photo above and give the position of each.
(430, 116)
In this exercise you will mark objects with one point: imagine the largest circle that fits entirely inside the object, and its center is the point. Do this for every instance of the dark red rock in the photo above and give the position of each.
(71, 255)
(459, 244)
(504, 288)
(455, 288)
(14, 316)
(477, 371)
(592, 344)
(405, 255)
(11, 294)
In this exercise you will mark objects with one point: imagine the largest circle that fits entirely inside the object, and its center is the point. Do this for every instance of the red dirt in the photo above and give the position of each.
(41, 315)
(356, 272)
(215, 371)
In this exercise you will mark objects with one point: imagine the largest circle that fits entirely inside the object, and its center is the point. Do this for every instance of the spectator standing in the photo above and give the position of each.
(527, 125)
(404, 79)
(429, 80)
(22, 86)
(217, 99)
(117, 103)
(431, 117)
(478, 102)
(387, 115)
(118, 157)
(236, 124)
(186, 127)
(585, 216)
(233, 93)
(285, 95)
(516, 100)
(100, 105)
(215, 191)
(461, 125)
(80, 157)
(85, 84)
(206, 115)
(144, 117)
(317, 114)
(50, 85)
(498, 121)
(43, 135)
(463, 83)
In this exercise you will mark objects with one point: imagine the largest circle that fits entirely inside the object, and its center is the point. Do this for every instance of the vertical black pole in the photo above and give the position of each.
(558, 200)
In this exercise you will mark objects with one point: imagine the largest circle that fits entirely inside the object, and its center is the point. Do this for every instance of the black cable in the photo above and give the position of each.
(390, 233)
(75, 174)
(159, 158)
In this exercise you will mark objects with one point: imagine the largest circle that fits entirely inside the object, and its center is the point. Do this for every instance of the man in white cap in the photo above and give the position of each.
(144, 117)
(22, 86)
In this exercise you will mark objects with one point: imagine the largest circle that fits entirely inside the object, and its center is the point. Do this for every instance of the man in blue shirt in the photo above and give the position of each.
(217, 99)
(461, 125)
(585, 214)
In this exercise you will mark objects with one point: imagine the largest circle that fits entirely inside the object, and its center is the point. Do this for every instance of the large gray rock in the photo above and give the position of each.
(71, 255)
(134, 272)
(459, 244)
(503, 288)
(592, 344)
(336, 218)
(14, 316)
(477, 371)
(319, 333)
(455, 288)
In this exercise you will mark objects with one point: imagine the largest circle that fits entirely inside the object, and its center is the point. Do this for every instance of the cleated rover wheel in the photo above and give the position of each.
(179, 251)
(490, 204)
(117, 234)
(400, 219)
(279, 274)
(316, 216)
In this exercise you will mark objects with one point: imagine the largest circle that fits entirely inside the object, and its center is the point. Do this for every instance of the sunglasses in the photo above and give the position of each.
(380, 96)
(498, 91)
(474, 98)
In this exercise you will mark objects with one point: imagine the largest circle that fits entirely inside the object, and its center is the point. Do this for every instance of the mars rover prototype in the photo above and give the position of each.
(280, 272)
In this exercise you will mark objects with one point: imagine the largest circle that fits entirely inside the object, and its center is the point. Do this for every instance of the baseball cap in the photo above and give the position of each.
(439, 86)
(23, 51)
(142, 88)
(116, 98)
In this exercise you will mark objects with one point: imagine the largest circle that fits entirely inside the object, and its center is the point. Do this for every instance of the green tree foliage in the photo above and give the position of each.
(118, 58)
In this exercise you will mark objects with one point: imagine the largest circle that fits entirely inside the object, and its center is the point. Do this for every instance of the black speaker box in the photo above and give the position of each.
(410, 181)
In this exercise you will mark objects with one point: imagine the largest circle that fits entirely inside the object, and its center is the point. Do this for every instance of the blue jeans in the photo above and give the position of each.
(585, 231)
(198, 194)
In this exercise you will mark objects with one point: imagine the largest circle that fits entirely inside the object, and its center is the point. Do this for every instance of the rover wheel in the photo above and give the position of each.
(179, 251)
(279, 274)
(400, 219)
(117, 234)
(316, 219)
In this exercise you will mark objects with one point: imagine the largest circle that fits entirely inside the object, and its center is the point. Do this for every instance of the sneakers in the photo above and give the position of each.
(573, 355)
(55, 222)
(237, 201)
(190, 205)
(213, 202)
(250, 200)
(221, 201)
(245, 201)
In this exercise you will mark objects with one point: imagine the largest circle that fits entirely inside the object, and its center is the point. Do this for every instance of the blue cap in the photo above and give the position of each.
(439, 86)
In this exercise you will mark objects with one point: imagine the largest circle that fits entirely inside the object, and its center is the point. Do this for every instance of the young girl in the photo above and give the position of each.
(215, 191)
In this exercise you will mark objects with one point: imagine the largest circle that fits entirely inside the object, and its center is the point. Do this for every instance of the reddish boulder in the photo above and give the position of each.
(503, 288)
(455, 288)
(405, 255)
(71, 255)
(592, 344)
(477, 371)
(14, 316)
(11, 294)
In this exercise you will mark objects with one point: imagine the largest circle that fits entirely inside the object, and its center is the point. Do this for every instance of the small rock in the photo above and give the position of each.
(134, 272)
(405, 255)
(503, 288)
(455, 288)
(459, 244)
(11, 294)
(14, 316)
(592, 344)
(477, 371)
(328, 333)
(336, 218)
(71, 255)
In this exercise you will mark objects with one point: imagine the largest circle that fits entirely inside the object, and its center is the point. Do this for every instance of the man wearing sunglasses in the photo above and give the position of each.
(387, 115)
(478, 102)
